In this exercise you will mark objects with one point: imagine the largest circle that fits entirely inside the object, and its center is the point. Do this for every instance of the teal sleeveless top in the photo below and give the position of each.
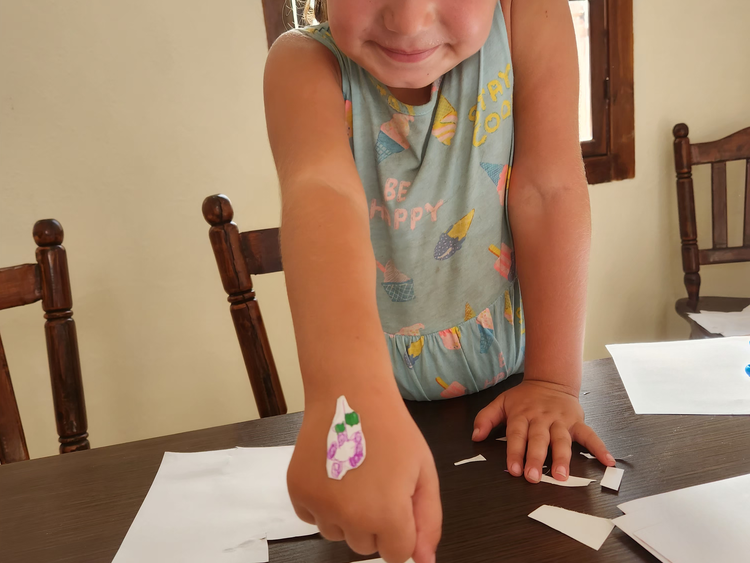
(436, 179)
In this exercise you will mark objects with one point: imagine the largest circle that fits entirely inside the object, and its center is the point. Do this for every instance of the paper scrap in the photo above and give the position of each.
(589, 530)
(214, 506)
(686, 377)
(571, 482)
(480, 457)
(346, 448)
(503, 439)
(588, 455)
(612, 478)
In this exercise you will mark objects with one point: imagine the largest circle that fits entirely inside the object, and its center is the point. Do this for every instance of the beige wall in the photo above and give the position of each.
(118, 118)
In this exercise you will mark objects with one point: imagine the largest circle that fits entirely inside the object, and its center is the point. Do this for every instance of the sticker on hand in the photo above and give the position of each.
(346, 442)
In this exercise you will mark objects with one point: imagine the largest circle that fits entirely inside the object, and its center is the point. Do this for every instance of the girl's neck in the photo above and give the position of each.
(413, 96)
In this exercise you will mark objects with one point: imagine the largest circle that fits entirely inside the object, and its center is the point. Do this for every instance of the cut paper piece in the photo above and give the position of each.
(686, 377)
(703, 523)
(503, 439)
(589, 530)
(726, 324)
(588, 455)
(571, 482)
(480, 457)
(612, 478)
(346, 442)
(214, 506)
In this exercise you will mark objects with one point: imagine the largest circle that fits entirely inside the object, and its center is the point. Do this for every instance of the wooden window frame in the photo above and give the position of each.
(610, 155)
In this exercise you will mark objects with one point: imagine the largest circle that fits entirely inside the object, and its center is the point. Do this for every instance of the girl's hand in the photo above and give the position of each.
(539, 414)
(390, 504)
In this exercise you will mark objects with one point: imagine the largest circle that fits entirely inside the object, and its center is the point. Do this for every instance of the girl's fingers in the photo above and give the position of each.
(585, 436)
(561, 443)
(330, 531)
(517, 433)
(536, 450)
(489, 417)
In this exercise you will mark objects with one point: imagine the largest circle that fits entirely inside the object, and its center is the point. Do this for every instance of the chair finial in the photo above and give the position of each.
(48, 232)
(680, 131)
(217, 210)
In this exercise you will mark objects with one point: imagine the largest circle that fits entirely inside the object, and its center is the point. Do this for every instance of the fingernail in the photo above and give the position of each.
(475, 434)
(534, 474)
(610, 459)
(516, 469)
(561, 471)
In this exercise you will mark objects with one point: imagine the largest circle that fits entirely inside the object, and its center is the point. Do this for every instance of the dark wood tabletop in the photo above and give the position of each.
(79, 506)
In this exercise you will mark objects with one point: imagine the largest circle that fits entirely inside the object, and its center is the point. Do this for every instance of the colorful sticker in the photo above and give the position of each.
(346, 442)
(451, 240)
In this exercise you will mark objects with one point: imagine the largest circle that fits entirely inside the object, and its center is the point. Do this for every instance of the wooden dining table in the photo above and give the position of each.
(78, 507)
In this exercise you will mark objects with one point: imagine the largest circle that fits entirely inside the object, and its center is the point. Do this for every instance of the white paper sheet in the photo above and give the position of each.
(588, 455)
(612, 478)
(589, 530)
(708, 522)
(214, 506)
(479, 457)
(687, 377)
(571, 482)
(726, 324)
(630, 522)
(503, 439)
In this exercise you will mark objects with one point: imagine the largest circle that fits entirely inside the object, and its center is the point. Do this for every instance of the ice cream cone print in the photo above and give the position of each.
(451, 391)
(519, 314)
(505, 263)
(413, 352)
(469, 313)
(486, 337)
(485, 319)
(392, 138)
(399, 287)
(451, 338)
(446, 117)
(451, 240)
(508, 309)
(412, 330)
(499, 177)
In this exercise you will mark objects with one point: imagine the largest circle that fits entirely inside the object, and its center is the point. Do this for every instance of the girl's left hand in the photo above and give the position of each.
(539, 414)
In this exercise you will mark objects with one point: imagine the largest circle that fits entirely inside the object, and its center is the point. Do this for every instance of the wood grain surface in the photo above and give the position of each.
(78, 507)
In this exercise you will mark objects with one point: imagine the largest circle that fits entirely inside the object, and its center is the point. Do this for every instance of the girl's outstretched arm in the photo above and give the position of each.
(550, 219)
(391, 503)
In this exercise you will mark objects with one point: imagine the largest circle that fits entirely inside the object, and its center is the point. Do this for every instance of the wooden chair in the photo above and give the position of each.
(238, 256)
(48, 281)
(717, 154)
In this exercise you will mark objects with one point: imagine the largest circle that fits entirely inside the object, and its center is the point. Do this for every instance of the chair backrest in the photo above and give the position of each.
(238, 256)
(46, 280)
(716, 153)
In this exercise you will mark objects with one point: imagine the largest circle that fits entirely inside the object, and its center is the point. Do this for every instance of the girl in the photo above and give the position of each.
(411, 138)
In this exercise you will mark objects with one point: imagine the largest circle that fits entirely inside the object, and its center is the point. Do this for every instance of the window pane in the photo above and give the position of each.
(580, 11)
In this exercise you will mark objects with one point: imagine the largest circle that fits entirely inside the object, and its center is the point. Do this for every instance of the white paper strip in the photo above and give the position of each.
(503, 439)
(480, 457)
(588, 455)
(726, 324)
(571, 482)
(589, 530)
(612, 478)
